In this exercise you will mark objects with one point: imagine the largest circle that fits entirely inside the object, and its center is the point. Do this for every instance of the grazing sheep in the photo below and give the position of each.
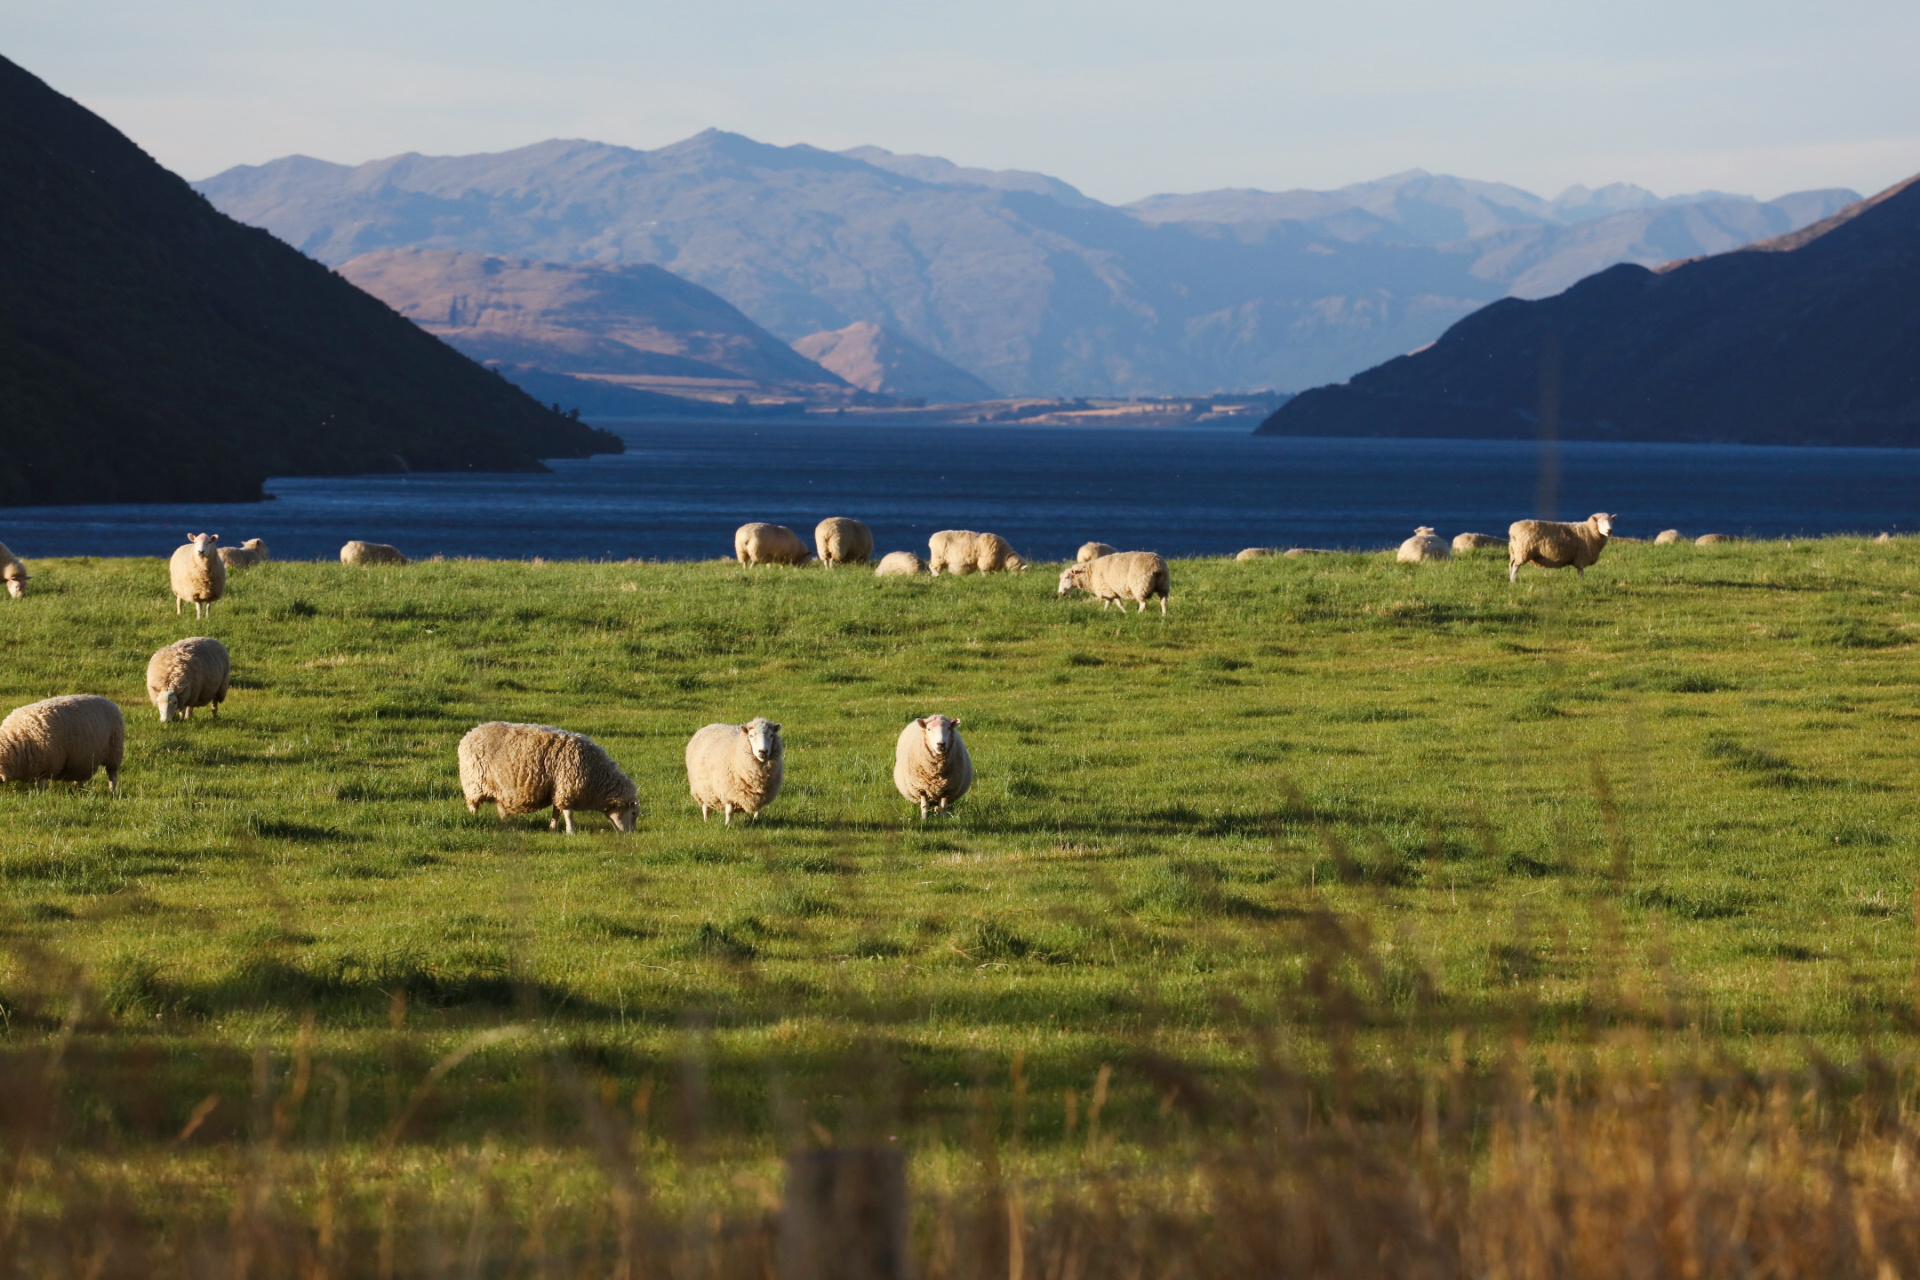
(761, 543)
(1092, 551)
(198, 574)
(952, 550)
(13, 572)
(993, 554)
(1118, 578)
(187, 674)
(1295, 553)
(735, 766)
(1708, 539)
(1667, 537)
(1555, 544)
(358, 552)
(838, 540)
(244, 556)
(1885, 539)
(1465, 542)
(524, 767)
(899, 564)
(1255, 553)
(930, 763)
(1423, 545)
(63, 739)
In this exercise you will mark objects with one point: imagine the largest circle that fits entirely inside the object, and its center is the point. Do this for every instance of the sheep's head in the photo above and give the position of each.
(257, 546)
(763, 738)
(1074, 575)
(941, 733)
(623, 806)
(1424, 531)
(203, 544)
(1603, 522)
(17, 585)
(169, 704)
(1016, 565)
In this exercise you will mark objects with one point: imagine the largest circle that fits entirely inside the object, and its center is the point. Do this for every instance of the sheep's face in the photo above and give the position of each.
(16, 587)
(256, 546)
(941, 733)
(1424, 531)
(203, 544)
(1074, 575)
(1604, 523)
(169, 706)
(622, 817)
(763, 738)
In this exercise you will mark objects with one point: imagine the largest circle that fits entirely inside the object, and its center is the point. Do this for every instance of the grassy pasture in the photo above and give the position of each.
(1389, 818)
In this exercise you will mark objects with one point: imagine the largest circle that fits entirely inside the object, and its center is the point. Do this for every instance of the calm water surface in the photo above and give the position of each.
(681, 490)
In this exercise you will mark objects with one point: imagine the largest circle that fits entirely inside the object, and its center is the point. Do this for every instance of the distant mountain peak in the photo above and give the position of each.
(878, 360)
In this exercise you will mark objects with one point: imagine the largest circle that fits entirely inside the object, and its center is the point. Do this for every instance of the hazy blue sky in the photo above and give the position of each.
(1122, 98)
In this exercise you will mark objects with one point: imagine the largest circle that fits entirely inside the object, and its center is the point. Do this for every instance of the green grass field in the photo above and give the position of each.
(1374, 814)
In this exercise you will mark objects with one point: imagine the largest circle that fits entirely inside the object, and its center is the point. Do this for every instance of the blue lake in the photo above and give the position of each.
(681, 490)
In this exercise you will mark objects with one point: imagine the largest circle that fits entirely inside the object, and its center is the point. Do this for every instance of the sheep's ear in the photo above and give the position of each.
(922, 722)
(776, 728)
(746, 731)
(956, 722)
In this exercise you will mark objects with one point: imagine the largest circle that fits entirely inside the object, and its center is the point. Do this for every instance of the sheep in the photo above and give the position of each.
(1118, 578)
(1465, 542)
(1296, 553)
(1554, 544)
(839, 540)
(244, 556)
(1667, 537)
(735, 766)
(993, 554)
(1092, 551)
(930, 763)
(64, 739)
(524, 767)
(761, 543)
(1709, 539)
(899, 564)
(1423, 545)
(358, 552)
(198, 574)
(1884, 540)
(964, 551)
(14, 572)
(1255, 553)
(187, 674)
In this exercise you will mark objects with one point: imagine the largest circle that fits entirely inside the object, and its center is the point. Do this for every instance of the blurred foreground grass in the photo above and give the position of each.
(1338, 840)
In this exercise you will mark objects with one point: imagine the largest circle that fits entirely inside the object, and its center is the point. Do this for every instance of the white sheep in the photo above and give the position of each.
(1423, 545)
(931, 766)
(1667, 537)
(246, 555)
(762, 543)
(964, 551)
(1710, 539)
(186, 674)
(524, 767)
(1118, 578)
(840, 540)
(1555, 544)
(899, 564)
(198, 574)
(1093, 551)
(358, 552)
(14, 572)
(1255, 553)
(1465, 542)
(64, 739)
(735, 766)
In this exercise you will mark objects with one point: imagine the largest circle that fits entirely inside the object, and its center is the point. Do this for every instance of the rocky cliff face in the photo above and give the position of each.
(153, 349)
(880, 361)
(1807, 338)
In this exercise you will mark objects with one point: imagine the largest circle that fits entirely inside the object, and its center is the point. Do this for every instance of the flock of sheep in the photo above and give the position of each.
(522, 768)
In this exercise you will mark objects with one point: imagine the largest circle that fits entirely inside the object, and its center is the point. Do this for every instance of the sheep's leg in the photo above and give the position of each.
(39, 785)
(727, 811)
(1163, 606)
(176, 606)
(923, 811)
(473, 806)
(703, 813)
(1513, 571)
(1580, 572)
(113, 782)
(566, 817)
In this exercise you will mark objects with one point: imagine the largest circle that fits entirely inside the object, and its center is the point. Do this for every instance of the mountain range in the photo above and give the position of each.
(1807, 338)
(1015, 277)
(153, 349)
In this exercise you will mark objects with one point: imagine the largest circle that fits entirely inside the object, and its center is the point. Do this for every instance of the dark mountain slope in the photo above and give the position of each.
(1810, 338)
(152, 349)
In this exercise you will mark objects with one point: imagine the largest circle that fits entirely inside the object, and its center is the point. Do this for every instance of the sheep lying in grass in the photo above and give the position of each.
(1711, 539)
(1555, 544)
(1118, 578)
(964, 551)
(839, 540)
(1465, 542)
(198, 574)
(1256, 553)
(13, 572)
(1423, 545)
(899, 564)
(1667, 537)
(64, 739)
(735, 766)
(186, 674)
(358, 552)
(930, 763)
(524, 767)
(1092, 551)
(762, 543)
(246, 555)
